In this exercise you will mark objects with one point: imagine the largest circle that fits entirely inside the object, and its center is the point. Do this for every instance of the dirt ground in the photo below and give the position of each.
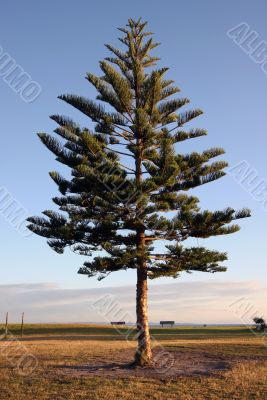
(168, 364)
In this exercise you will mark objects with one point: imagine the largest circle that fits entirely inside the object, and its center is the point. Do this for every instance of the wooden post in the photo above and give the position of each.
(6, 327)
(22, 324)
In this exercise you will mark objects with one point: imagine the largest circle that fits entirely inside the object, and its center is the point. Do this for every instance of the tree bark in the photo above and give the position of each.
(143, 355)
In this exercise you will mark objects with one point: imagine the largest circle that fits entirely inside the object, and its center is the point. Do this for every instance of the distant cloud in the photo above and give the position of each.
(184, 302)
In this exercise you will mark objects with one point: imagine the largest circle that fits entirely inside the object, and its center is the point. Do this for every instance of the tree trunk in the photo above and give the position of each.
(143, 356)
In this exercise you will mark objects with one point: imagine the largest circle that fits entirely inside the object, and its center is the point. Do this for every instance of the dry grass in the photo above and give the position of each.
(247, 379)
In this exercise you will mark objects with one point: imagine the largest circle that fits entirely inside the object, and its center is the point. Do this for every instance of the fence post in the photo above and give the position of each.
(22, 324)
(6, 327)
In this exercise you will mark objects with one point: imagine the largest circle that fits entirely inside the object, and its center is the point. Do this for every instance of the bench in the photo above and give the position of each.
(118, 323)
(170, 323)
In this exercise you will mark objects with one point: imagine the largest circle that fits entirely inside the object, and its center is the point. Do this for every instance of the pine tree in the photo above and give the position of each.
(128, 186)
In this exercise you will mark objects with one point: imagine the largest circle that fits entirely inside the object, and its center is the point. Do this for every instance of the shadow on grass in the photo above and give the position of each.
(188, 363)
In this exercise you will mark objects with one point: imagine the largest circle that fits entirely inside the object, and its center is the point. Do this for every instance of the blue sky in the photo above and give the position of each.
(56, 43)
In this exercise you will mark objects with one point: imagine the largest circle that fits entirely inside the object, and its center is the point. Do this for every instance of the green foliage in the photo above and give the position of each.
(260, 323)
(127, 172)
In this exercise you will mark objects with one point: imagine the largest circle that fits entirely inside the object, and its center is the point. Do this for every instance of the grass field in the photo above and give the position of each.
(63, 353)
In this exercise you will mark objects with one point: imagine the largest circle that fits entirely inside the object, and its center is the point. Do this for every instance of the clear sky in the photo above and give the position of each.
(56, 43)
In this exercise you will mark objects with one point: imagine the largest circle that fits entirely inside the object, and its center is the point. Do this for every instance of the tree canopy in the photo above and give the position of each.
(129, 176)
